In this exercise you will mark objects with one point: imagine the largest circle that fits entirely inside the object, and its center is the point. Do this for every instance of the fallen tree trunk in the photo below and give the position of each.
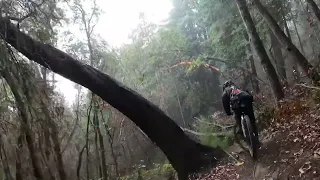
(185, 155)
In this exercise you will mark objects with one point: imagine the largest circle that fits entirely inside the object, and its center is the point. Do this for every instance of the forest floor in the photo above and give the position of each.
(290, 148)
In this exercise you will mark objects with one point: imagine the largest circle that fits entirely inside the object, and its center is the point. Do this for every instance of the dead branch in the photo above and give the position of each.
(310, 87)
(219, 134)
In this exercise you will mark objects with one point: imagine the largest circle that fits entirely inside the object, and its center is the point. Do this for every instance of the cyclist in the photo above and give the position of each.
(234, 96)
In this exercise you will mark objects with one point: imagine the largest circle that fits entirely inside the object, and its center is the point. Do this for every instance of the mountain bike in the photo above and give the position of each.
(248, 134)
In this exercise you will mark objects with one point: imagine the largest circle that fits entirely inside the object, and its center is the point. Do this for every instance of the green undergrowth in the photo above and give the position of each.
(207, 126)
(160, 172)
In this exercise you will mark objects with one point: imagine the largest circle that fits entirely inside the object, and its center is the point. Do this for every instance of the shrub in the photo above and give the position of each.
(264, 117)
(160, 172)
(208, 126)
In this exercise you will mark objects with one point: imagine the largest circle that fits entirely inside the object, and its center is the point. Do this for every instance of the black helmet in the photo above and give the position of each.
(227, 84)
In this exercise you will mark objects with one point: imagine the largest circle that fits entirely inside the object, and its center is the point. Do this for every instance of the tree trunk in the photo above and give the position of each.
(285, 41)
(314, 8)
(25, 117)
(50, 128)
(101, 149)
(111, 141)
(87, 139)
(277, 53)
(97, 156)
(293, 69)
(18, 153)
(185, 155)
(57, 150)
(259, 49)
(80, 162)
(4, 160)
(254, 75)
(298, 35)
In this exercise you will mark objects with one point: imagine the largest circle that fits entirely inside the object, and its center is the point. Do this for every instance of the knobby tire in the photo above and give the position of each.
(250, 137)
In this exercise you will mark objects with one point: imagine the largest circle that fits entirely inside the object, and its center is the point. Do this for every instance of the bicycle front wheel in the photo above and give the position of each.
(250, 136)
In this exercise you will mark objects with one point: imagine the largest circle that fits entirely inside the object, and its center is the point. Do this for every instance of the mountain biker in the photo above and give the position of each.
(239, 100)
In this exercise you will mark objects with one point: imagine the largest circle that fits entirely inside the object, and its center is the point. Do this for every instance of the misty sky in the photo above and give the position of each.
(118, 20)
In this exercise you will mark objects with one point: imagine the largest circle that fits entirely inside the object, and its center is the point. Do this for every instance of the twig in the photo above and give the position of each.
(310, 87)
(207, 134)
(214, 124)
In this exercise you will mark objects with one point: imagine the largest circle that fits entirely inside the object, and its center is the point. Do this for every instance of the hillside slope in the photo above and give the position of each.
(290, 150)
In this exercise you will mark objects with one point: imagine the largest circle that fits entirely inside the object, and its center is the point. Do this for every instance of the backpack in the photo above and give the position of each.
(234, 97)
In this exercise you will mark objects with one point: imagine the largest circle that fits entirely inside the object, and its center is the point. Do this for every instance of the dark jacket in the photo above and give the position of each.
(233, 96)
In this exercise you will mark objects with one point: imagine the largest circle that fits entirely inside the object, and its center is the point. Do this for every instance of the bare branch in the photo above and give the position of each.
(310, 87)
(214, 124)
(227, 133)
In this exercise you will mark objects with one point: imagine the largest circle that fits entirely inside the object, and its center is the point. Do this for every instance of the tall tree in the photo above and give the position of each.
(6, 71)
(278, 57)
(260, 50)
(285, 41)
(314, 8)
(88, 20)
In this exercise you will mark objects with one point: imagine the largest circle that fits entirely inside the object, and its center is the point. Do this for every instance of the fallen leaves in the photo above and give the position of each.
(239, 163)
(316, 153)
(296, 132)
(221, 172)
(289, 109)
(306, 167)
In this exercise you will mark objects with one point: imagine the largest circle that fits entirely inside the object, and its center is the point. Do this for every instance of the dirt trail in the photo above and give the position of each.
(290, 150)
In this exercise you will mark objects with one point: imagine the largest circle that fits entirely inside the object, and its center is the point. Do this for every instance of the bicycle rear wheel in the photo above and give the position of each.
(250, 137)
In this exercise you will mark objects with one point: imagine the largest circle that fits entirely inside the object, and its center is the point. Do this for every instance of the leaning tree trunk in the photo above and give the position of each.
(277, 53)
(292, 70)
(285, 41)
(254, 75)
(258, 47)
(185, 155)
(314, 8)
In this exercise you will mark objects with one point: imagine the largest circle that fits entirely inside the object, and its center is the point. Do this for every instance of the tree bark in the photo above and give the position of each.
(254, 75)
(292, 70)
(258, 47)
(4, 160)
(276, 48)
(285, 41)
(111, 141)
(314, 8)
(297, 32)
(18, 153)
(54, 135)
(97, 129)
(79, 164)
